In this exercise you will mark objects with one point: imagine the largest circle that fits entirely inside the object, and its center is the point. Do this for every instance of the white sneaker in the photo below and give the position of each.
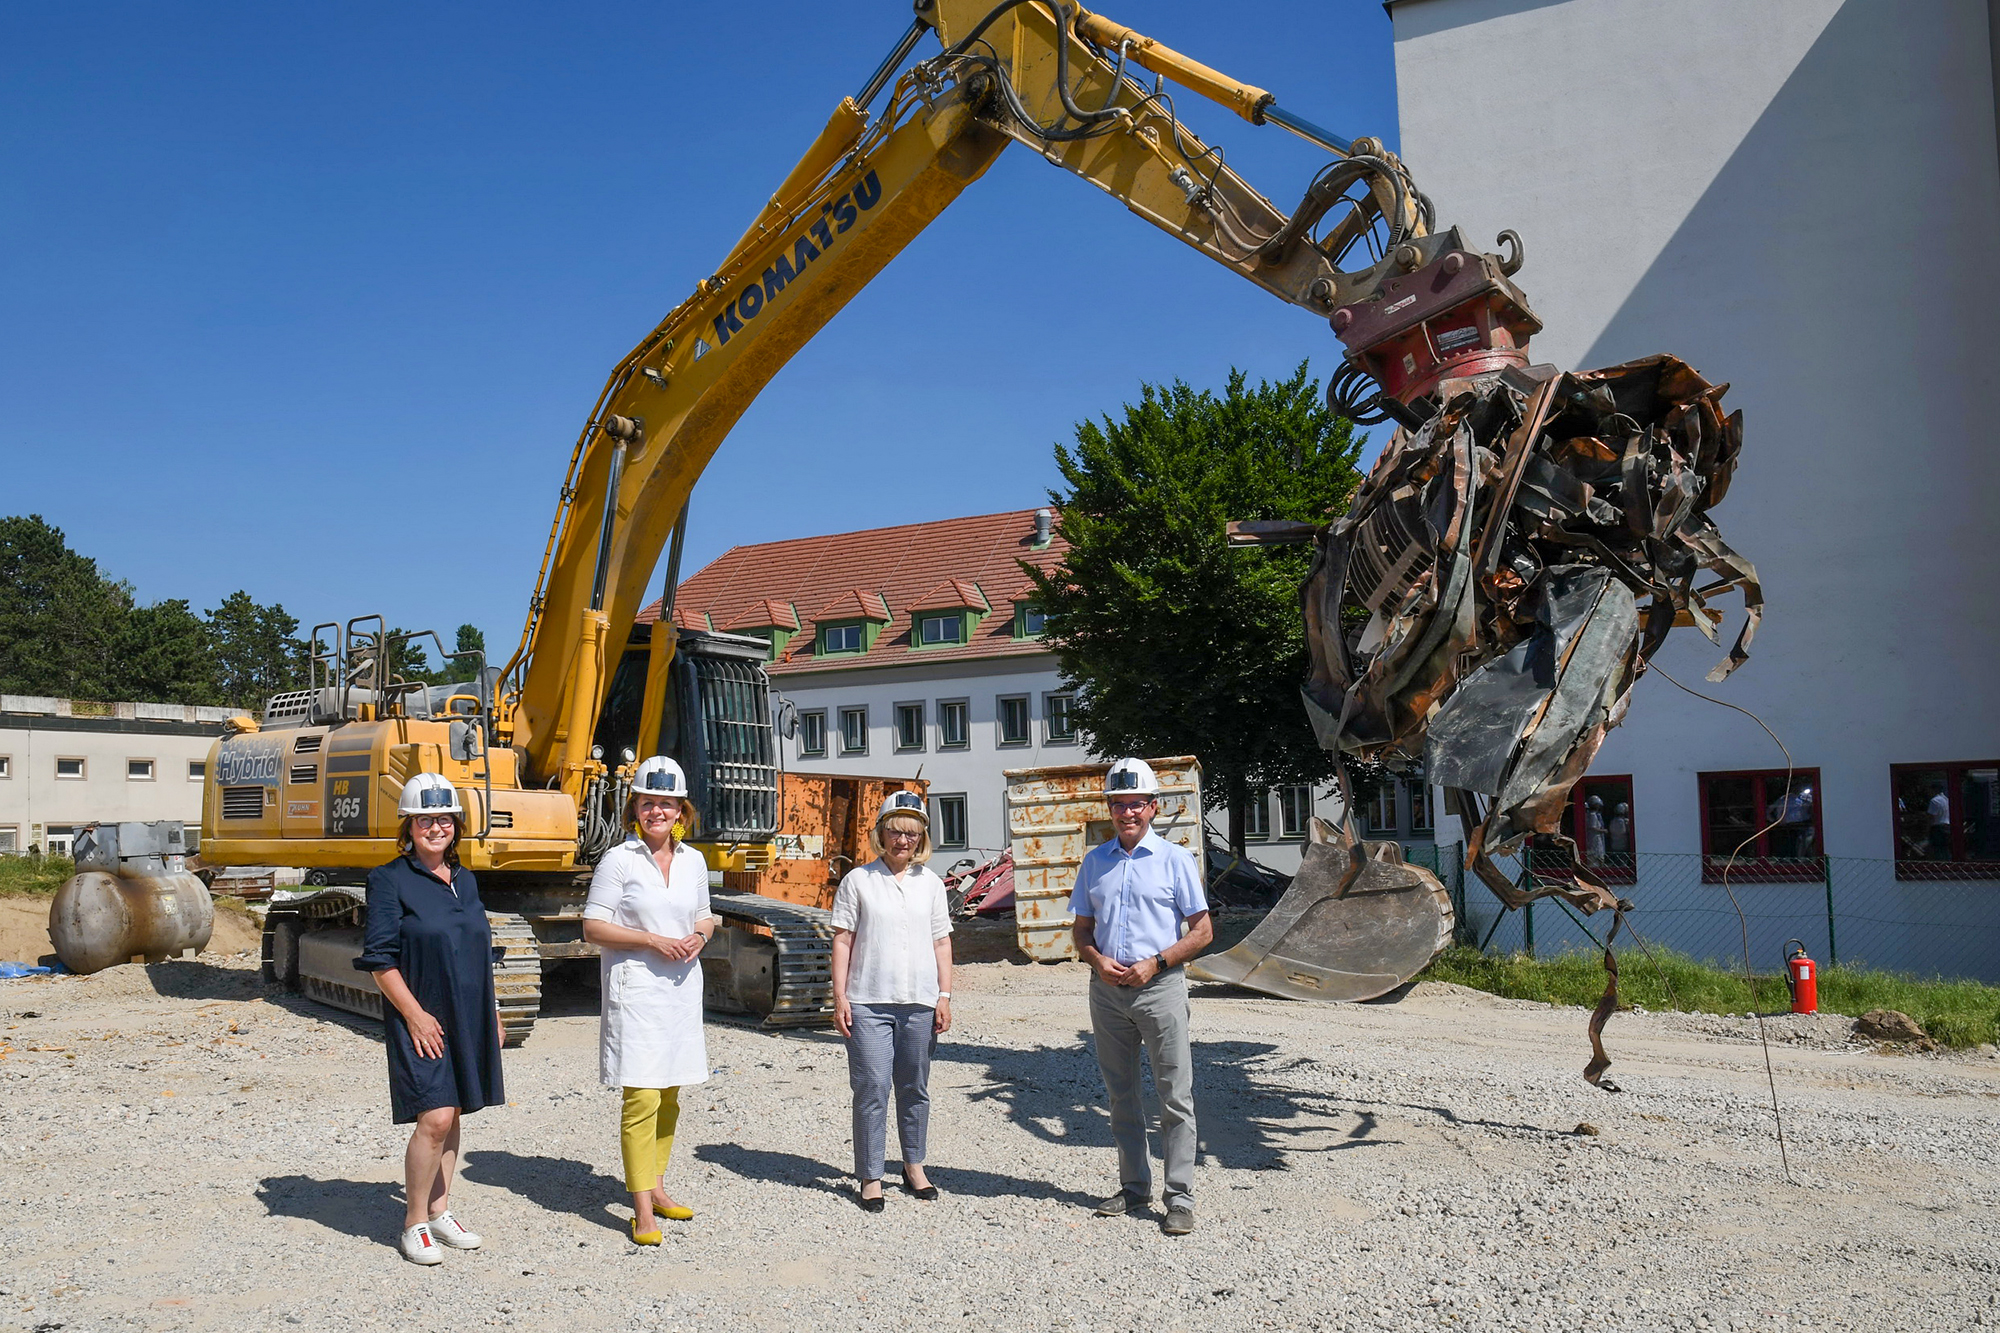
(445, 1230)
(418, 1246)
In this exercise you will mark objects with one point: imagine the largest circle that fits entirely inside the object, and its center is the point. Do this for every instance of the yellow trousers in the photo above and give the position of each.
(646, 1133)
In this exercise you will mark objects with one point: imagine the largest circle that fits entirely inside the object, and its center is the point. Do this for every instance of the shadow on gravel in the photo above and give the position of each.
(368, 1209)
(807, 1173)
(783, 1168)
(1247, 1120)
(556, 1184)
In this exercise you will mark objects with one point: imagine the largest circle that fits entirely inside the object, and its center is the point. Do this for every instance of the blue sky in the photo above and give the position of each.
(313, 300)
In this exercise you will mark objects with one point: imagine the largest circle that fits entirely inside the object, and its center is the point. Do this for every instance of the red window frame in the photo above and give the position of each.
(1960, 865)
(1757, 865)
(1576, 824)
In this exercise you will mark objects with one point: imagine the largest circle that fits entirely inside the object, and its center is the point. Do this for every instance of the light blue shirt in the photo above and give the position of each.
(1139, 898)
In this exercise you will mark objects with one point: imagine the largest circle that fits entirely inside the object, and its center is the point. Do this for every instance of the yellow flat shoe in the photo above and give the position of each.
(677, 1213)
(643, 1237)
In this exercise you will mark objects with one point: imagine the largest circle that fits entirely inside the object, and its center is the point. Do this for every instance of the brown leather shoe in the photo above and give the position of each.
(1179, 1221)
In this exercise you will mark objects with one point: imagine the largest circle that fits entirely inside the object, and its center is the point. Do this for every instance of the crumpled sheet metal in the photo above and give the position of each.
(1504, 574)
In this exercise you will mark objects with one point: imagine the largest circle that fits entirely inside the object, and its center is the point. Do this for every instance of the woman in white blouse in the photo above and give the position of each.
(648, 915)
(892, 990)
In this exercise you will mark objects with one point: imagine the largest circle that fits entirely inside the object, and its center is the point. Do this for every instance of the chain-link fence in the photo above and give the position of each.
(1930, 918)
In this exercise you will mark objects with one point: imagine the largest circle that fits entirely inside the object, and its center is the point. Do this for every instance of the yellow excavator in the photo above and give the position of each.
(541, 746)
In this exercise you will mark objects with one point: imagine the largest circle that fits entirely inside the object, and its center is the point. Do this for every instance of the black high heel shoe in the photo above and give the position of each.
(868, 1205)
(923, 1192)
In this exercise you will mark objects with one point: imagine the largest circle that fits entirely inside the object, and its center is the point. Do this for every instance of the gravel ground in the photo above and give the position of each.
(185, 1151)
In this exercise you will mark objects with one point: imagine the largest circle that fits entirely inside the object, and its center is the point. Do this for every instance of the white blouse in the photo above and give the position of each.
(651, 1034)
(896, 926)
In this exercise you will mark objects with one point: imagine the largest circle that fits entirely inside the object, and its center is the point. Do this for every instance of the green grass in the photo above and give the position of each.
(33, 876)
(1956, 1013)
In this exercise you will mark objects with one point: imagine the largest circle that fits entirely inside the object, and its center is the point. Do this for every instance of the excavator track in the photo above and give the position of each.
(517, 976)
(800, 987)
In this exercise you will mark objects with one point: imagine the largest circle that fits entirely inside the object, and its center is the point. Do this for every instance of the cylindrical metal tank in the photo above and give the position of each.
(99, 920)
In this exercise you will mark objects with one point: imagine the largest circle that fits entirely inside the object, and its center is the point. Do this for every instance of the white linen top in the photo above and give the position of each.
(896, 926)
(651, 1034)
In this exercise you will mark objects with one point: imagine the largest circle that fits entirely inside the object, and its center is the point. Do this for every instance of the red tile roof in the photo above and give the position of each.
(853, 604)
(899, 570)
(952, 594)
(765, 614)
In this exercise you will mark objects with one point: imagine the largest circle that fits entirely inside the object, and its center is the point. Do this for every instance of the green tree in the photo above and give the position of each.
(165, 654)
(257, 651)
(469, 640)
(59, 617)
(1174, 642)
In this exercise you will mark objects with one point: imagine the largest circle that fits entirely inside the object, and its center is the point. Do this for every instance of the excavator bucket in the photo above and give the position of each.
(1357, 922)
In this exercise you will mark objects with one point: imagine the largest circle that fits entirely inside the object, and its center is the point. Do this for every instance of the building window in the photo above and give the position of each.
(138, 770)
(854, 731)
(69, 768)
(1774, 822)
(6, 766)
(954, 731)
(1055, 716)
(1947, 819)
(1014, 720)
(10, 837)
(1295, 807)
(1029, 624)
(840, 639)
(1257, 817)
(812, 735)
(1380, 814)
(197, 770)
(1422, 821)
(951, 821)
(909, 726)
(941, 629)
(1599, 820)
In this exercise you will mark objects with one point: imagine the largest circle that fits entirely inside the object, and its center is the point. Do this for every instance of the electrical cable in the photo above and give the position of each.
(1749, 980)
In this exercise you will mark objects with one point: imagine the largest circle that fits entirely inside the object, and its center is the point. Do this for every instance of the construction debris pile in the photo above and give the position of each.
(1479, 608)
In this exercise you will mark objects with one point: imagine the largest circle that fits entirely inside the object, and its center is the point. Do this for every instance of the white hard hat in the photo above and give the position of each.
(903, 803)
(1131, 775)
(659, 776)
(429, 794)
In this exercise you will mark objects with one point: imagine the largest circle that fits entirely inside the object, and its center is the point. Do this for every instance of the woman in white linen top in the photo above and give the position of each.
(892, 991)
(648, 914)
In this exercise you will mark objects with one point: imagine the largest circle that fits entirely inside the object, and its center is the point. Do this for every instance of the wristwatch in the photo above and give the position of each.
(1160, 962)
(944, 995)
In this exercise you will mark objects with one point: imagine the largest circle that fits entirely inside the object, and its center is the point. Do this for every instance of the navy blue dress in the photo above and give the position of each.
(438, 938)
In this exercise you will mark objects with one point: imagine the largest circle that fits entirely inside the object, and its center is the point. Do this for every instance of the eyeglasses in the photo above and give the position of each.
(902, 835)
(1121, 807)
(433, 821)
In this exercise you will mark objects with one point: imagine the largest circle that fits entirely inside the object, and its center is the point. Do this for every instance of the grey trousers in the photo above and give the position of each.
(890, 1042)
(1155, 1016)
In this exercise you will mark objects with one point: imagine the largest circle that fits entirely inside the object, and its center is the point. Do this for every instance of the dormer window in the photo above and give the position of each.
(1028, 623)
(840, 639)
(947, 627)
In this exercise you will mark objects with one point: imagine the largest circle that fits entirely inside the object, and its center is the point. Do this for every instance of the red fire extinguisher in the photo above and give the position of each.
(1802, 976)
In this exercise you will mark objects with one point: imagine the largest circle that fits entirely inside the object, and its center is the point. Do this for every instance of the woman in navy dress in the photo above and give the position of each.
(431, 951)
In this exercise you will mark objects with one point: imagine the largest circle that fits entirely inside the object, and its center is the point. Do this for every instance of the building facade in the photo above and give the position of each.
(1687, 178)
(67, 763)
(917, 651)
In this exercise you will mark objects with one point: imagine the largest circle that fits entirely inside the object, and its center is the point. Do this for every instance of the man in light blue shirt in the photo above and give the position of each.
(1133, 894)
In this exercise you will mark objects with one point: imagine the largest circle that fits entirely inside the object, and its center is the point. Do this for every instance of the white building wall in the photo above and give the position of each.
(34, 801)
(1801, 198)
(975, 771)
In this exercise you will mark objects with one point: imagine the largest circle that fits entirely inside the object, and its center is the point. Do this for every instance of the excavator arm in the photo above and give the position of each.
(1047, 75)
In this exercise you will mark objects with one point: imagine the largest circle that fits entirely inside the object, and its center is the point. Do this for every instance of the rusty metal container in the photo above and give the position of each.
(99, 919)
(1055, 815)
(823, 823)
